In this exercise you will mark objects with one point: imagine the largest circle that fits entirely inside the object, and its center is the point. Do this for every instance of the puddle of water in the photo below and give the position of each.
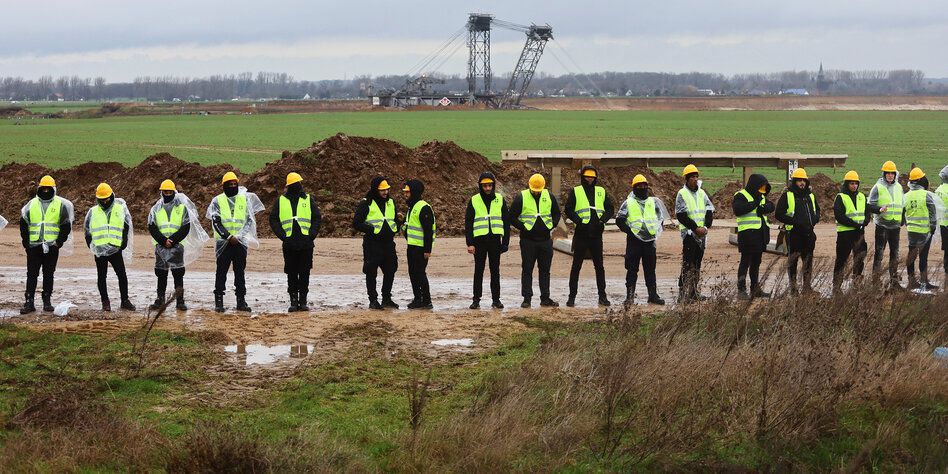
(7, 313)
(258, 354)
(467, 342)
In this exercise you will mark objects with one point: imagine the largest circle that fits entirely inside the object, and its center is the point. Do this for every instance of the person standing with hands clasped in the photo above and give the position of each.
(487, 231)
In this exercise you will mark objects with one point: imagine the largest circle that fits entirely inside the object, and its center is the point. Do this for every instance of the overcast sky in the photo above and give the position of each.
(122, 39)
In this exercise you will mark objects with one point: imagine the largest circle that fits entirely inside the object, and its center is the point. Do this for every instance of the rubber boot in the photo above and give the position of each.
(219, 303)
(629, 297)
(653, 297)
(294, 303)
(242, 304)
(47, 304)
(28, 306)
(106, 304)
(303, 305)
(179, 300)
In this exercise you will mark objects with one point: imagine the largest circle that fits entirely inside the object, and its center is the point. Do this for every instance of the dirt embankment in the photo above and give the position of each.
(337, 171)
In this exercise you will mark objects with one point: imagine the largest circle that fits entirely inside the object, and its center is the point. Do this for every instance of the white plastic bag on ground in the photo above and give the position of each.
(193, 243)
(63, 308)
(107, 250)
(247, 236)
(69, 210)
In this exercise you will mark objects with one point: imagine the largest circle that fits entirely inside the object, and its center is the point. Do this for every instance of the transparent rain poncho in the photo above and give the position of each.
(247, 235)
(3, 222)
(108, 249)
(661, 214)
(69, 210)
(190, 248)
(682, 206)
(873, 199)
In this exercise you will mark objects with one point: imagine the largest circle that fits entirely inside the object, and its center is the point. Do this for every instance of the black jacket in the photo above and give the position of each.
(469, 223)
(805, 215)
(595, 226)
(839, 210)
(539, 232)
(297, 241)
(755, 240)
(362, 210)
(65, 228)
(426, 215)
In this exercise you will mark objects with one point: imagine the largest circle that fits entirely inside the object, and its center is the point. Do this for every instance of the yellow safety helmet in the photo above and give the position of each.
(383, 185)
(639, 179)
(167, 185)
(851, 176)
(229, 176)
(103, 191)
(590, 172)
(486, 180)
(689, 169)
(537, 182)
(47, 181)
(293, 178)
(916, 174)
(889, 167)
(407, 189)
(799, 173)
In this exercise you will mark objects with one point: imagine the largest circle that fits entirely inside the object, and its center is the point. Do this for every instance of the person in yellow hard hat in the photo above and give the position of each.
(377, 218)
(887, 193)
(535, 212)
(852, 214)
(169, 224)
(420, 230)
(589, 206)
(107, 227)
(921, 221)
(695, 213)
(295, 220)
(235, 228)
(798, 210)
(750, 208)
(641, 217)
(45, 227)
(487, 232)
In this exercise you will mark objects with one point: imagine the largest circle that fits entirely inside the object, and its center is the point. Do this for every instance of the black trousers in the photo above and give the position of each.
(637, 252)
(886, 237)
(944, 245)
(581, 245)
(297, 264)
(800, 245)
(849, 242)
(921, 253)
(379, 255)
(692, 253)
(102, 269)
(417, 273)
(539, 253)
(750, 263)
(176, 273)
(487, 249)
(235, 255)
(37, 260)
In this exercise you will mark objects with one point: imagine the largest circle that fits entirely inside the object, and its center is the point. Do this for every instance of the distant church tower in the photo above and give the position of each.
(822, 85)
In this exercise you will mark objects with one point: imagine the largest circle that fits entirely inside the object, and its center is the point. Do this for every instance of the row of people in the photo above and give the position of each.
(177, 235)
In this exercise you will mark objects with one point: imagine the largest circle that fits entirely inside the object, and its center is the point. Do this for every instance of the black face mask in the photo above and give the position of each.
(107, 202)
(167, 199)
(45, 193)
(230, 191)
(640, 192)
(295, 189)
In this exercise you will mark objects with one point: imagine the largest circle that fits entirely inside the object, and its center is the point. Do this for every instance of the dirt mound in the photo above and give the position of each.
(824, 187)
(12, 111)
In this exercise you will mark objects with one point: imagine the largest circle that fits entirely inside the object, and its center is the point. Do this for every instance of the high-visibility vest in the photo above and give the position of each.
(942, 192)
(892, 203)
(414, 233)
(376, 219)
(583, 209)
(528, 212)
(168, 225)
(107, 229)
(856, 212)
(640, 219)
(44, 226)
(695, 204)
(750, 221)
(303, 215)
(232, 219)
(792, 206)
(488, 222)
(916, 211)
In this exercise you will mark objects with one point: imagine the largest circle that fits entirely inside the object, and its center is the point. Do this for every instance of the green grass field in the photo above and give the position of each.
(46, 107)
(248, 142)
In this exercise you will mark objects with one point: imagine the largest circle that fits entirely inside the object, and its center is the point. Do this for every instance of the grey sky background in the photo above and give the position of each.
(332, 40)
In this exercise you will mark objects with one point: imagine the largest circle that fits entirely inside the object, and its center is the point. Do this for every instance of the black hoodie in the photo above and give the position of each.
(426, 215)
(805, 215)
(596, 225)
(469, 216)
(362, 210)
(753, 241)
(839, 210)
(65, 228)
(297, 241)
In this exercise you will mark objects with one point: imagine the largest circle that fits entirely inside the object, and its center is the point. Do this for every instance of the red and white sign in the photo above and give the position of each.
(445, 101)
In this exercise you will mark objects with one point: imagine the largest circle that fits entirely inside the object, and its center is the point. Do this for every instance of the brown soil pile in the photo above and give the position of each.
(824, 187)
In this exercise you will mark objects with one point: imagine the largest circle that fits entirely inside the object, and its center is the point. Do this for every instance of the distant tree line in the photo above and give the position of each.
(283, 86)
